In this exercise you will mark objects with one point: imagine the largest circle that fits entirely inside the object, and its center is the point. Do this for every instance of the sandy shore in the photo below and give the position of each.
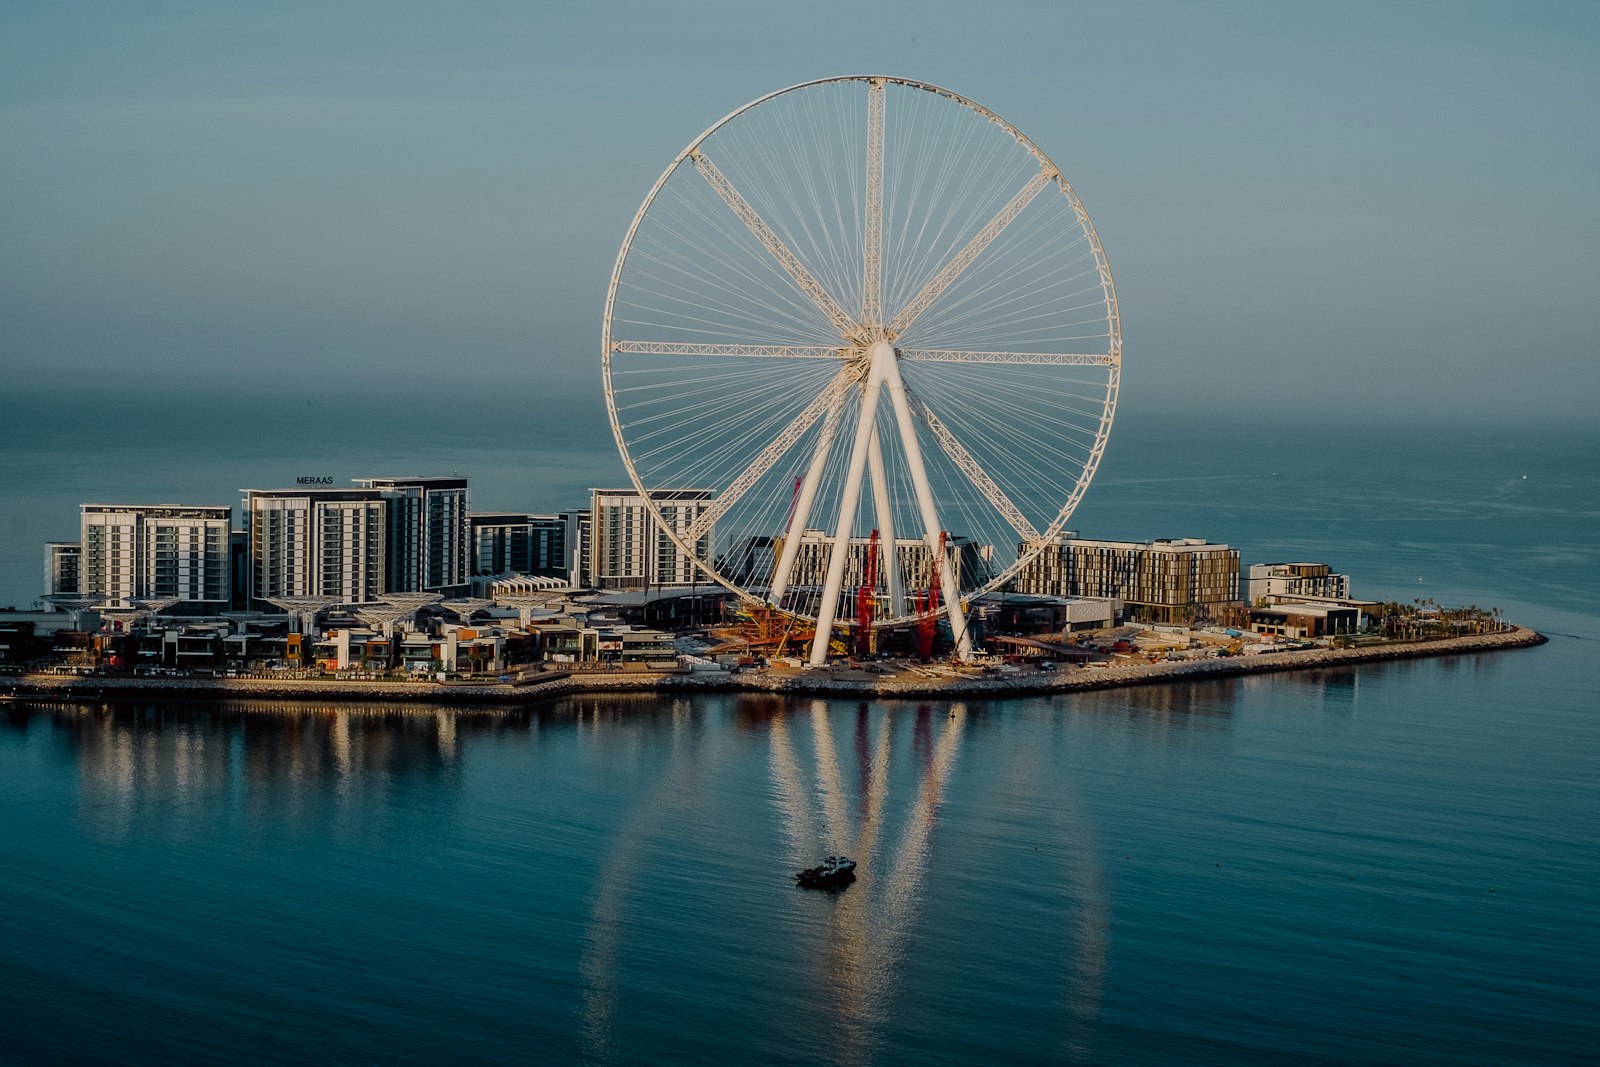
(541, 687)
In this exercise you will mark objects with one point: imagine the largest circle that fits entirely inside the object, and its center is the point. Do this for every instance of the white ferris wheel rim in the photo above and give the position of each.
(1113, 355)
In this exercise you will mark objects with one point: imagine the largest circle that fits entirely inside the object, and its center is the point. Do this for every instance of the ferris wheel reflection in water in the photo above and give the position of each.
(869, 930)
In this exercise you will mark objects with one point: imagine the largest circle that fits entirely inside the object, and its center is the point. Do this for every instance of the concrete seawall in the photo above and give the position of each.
(535, 689)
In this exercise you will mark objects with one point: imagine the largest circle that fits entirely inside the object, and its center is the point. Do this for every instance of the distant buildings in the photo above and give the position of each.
(317, 543)
(757, 561)
(63, 562)
(1269, 581)
(628, 550)
(147, 552)
(1166, 580)
(518, 543)
(428, 548)
(386, 535)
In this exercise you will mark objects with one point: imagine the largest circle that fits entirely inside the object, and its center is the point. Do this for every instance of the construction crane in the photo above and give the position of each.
(867, 598)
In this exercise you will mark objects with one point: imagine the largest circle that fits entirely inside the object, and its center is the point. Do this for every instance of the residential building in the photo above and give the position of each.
(63, 562)
(317, 543)
(811, 562)
(517, 543)
(149, 552)
(429, 542)
(580, 547)
(630, 551)
(1270, 581)
(1167, 580)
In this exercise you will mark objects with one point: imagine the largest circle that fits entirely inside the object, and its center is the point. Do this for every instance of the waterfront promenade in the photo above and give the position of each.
(918, 682)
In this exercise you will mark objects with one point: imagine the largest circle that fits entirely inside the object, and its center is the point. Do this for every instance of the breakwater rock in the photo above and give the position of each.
(538, 687)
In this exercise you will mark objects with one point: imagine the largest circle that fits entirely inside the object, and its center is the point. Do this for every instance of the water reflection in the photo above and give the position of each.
(834, 772)
(612, 908)
(149, 762)
(870, 922)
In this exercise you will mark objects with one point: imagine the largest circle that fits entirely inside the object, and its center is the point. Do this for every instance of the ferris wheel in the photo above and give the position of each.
(861, 345)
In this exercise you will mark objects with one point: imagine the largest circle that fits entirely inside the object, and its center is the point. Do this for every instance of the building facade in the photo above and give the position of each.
(629, 551)
(517, 543)
(1166, 580)
(1316, 581)
(148, 552)
(429, 537)
(811, 562)
(63, 563)
(317, 543)
(579, 527)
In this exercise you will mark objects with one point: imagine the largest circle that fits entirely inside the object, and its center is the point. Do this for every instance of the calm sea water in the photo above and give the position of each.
(1391, 864)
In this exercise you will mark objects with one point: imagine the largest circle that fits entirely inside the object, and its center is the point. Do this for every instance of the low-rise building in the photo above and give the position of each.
(816, 548)
(1306, 620)
(1018, 614)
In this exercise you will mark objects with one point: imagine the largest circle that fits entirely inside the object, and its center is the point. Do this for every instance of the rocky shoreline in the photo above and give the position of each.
(540, 688)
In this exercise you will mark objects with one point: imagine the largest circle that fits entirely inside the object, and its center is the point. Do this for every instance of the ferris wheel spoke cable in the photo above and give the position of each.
(738, 260)
(684, 442)
(989, 426)
(791, 264)
(766, 430)
(800, 313)
(676, 303)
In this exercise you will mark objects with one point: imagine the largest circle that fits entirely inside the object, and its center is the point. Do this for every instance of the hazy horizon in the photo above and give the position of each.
(1377, 208)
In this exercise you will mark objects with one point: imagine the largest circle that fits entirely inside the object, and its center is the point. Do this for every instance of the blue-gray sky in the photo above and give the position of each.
(1389, 207)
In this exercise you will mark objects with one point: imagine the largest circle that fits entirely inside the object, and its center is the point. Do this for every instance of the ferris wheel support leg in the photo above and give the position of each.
(833, 585)
(884, 362)
(880, 497)
(802, 507)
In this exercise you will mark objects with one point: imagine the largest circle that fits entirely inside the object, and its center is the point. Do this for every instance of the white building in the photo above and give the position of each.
(1269, 582)
(317, 542)
(629, 551)
(139, 552)
(430, 543)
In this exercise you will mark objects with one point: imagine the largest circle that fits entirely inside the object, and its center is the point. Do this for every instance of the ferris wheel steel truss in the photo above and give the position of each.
(697, 278)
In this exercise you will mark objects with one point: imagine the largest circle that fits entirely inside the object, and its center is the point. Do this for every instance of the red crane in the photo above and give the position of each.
(926, 625)
(867, 598)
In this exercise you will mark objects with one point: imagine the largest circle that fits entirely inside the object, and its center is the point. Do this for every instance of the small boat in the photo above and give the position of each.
(835, 872)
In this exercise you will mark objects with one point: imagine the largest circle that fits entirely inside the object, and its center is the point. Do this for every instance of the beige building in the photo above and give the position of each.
(811, 562)
(1166, 580)
(1315, 581)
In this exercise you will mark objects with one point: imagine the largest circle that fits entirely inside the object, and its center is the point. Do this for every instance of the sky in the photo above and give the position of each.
(1386, 209)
